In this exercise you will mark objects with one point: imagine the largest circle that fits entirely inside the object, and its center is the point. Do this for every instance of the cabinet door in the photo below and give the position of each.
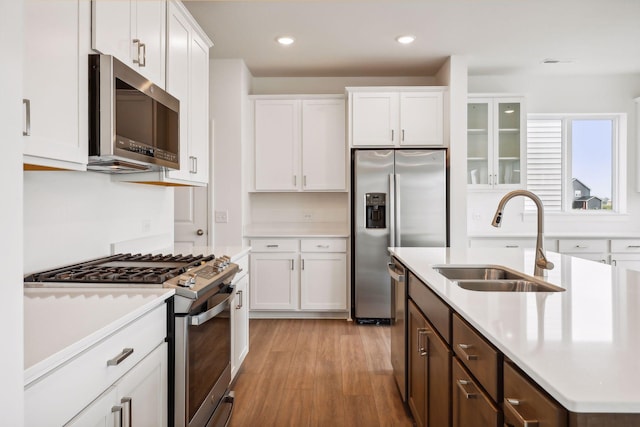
(102, 412)
(239, 325)
(142, 392)
(150, 29)
(421, 118)
(479, 142)
(323, 282)
(375, 117)
(429, 372)
(199, 111)
(471, 406)
(111, 29)
(178, 80)
(277, 142)
(273, 281)
(323, 145)
(509, 142)
(55, 84)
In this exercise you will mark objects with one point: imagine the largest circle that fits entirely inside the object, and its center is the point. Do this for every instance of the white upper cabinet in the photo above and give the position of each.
(496, 142)
(300, 145)
(55, 87)
(187, 78)
(396, 118)
(134, 32)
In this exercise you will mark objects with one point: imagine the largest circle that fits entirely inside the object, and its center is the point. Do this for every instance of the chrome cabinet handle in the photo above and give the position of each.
(126, 352)
(422, 347)
(581, 246)
(461, 384)
(510, 404)
(302, 264)
(512, 246)
(291, 265)
(239, 306)
(129, 403)
(304, 180)
(467, 356)
(392, 134)
(613, 262)
(118, 409)
(273, 246)
(137, 43)
(403, 134)
(633, 246)
(27, 115)
(295, 180)
(143, 63)
(323, 246)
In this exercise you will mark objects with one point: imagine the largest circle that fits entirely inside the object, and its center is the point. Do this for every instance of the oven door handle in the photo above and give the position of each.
(209, 314)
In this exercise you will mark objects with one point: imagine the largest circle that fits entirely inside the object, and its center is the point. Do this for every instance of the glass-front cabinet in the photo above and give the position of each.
(495, 142)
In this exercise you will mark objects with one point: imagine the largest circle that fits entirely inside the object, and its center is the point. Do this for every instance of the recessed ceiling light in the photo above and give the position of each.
(285, 40)
(405, 39)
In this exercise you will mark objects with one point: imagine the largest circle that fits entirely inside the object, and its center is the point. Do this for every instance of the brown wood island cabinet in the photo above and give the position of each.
(457, 378)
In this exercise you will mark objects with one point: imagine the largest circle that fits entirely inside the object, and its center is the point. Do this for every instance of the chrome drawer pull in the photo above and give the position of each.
(633, 246)
(323, 246)
(581, 246)
(467, 356)
(467, 395)
(118, 409)
(126, 352)
(510, 405)
(394, 274)
(273, 246)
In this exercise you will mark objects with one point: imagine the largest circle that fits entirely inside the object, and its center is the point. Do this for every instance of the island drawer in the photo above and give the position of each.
(471, 405)
(524, 403)
(275, 245)
(582, 245)
(432, 306)
(480, 357)
(323, 245)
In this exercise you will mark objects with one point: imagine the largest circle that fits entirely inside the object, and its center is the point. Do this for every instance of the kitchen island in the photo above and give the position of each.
(580, 346)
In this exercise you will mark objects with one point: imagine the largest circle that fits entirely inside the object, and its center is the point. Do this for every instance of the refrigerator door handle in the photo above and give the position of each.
(392, 209)
(397, 214)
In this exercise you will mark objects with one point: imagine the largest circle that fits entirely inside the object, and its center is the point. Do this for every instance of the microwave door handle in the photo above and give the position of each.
(209, 314)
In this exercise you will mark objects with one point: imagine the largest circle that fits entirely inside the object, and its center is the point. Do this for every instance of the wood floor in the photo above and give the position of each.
(317, 373)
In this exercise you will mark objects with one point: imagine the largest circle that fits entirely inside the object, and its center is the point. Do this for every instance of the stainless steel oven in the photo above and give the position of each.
(203, 368)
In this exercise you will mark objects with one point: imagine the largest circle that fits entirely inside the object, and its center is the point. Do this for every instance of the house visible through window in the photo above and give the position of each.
(574, 163)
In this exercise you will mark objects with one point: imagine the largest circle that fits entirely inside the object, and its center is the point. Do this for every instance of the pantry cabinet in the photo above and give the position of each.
(56, 39)
(394, 118)
(299, 144)
(134, 32)
(298, 275)
(496, 132)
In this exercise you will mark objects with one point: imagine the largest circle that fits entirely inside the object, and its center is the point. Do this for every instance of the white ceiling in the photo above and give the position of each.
(357, 38)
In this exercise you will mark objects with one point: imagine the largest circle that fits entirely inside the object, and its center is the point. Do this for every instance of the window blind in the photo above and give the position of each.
(544, 163)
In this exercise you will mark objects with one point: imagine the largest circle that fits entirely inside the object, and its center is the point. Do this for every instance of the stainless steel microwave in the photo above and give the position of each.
(133, 124)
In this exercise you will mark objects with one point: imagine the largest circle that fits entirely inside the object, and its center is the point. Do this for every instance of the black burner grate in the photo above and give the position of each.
(123, 268)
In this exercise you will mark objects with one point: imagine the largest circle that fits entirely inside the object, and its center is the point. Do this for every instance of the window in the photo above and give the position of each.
(576, 164)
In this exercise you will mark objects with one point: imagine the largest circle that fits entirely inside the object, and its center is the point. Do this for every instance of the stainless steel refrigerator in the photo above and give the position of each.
(399, 198)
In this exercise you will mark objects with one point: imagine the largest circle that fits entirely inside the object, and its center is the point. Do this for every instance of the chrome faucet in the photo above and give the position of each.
(541, 262)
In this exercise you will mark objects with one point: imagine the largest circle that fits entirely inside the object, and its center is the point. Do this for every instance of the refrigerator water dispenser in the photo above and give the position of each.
(375, 210)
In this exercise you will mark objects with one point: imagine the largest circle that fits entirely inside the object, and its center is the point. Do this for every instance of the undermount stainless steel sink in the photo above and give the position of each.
(494, 278)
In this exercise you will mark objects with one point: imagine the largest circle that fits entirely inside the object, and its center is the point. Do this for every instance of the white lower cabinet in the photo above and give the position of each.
(137, 399)
(298, 275)
(240, 317)
(122, 375)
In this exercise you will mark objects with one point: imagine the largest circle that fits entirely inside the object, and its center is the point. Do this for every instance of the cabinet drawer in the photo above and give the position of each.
(323, 245)
(480, 357)
(432, 306)
(524, 401)
(582, 245)
(471, 405)
(275, 245)
(625, 245)
(89, 374)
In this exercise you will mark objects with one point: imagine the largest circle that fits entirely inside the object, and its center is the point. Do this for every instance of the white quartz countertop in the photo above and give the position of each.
(297, 229)
(61, 323)
(582, 345)
(557, 235)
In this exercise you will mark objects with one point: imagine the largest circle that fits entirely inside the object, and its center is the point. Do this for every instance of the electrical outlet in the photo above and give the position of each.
(307, 216)
(222, 216)
(476, 216)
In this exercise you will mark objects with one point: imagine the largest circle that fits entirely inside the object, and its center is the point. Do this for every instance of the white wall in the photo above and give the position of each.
(563, 94)
(292, 207)
(11, 315)
(230, 82)
(75, 216)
